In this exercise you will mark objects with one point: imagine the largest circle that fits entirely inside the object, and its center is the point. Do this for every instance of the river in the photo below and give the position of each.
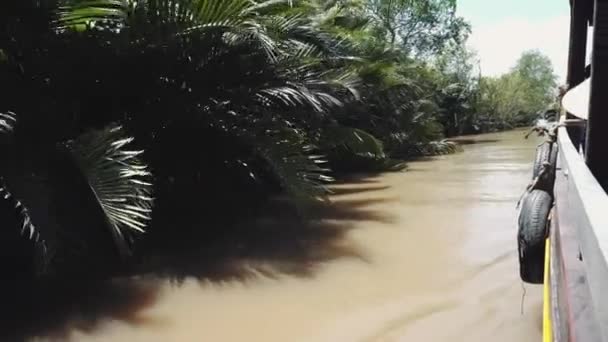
(429, 254)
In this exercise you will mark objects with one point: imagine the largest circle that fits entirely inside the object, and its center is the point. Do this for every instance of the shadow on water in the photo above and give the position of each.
(472, 141)
(53, 308)
(352, 190)
(424, 159)
(355, 179)
(278, 242)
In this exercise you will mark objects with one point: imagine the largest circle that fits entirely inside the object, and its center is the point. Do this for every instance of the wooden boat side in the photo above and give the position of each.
(579, 240)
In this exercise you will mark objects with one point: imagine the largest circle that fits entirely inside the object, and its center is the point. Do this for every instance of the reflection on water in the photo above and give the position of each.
(425, 255)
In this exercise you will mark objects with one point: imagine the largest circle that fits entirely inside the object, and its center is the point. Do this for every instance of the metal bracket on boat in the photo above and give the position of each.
(549, 130)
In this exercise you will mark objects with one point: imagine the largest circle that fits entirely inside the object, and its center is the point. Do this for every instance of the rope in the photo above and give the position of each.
(549, 130)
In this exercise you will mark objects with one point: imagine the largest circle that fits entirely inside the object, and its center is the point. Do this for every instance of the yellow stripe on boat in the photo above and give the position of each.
(547, 325)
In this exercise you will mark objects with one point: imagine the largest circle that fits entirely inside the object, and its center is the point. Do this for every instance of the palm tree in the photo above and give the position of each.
(209, 105)
(199, 90)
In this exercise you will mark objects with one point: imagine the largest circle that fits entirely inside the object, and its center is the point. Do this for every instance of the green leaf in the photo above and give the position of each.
(120, 181)
(354, 140)
(299, 171)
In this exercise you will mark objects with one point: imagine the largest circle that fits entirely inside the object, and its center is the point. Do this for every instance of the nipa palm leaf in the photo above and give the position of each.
(188, 15)
(27, 225)
(300, 173)
(356, 141)
(118, 178)
(7, 122)
(22, 220)
(78, 13)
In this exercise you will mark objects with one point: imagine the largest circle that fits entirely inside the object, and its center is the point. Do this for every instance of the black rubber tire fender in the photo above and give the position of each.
(543, 153)
(546, 152)
(531, 236)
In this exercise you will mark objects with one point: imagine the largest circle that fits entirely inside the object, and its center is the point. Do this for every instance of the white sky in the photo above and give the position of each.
(502, 32)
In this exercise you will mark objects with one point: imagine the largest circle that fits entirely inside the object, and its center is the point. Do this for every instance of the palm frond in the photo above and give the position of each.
(345, 81)
(23, 221)
(262, 7)
(7, 122)
(75, 13)
(300, 173)
(308, 85)
(120, 181)
(188, 15)
(206, 13)
(253, 31)
(301, 51)
(27, 226)
(356, 141)
(294, 95)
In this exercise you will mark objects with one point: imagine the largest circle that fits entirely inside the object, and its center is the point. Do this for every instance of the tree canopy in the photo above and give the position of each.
(519, 95)
(538, 77)
(127, 126)
(421, 27)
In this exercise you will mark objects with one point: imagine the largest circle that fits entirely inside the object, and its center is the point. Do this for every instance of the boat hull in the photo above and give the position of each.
(578, 273)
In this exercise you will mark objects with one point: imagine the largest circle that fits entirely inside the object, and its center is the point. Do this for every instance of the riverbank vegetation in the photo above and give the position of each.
(120, 117)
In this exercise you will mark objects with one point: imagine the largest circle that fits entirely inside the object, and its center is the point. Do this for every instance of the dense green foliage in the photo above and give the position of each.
(119, 117)
(515, 98)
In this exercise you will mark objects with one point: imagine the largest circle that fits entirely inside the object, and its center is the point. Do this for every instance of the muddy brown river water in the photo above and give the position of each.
(433, 259)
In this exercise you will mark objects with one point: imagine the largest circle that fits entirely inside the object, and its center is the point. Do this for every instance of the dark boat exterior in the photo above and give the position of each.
(576, 252)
